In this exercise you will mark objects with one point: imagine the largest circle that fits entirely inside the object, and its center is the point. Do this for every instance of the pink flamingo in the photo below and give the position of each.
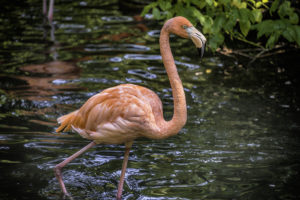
(123, 113)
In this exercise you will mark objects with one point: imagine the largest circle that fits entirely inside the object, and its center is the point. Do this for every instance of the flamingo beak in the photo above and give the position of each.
(198, 39)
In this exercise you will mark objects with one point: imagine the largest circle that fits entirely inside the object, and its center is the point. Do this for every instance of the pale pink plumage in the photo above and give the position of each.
(116, 115)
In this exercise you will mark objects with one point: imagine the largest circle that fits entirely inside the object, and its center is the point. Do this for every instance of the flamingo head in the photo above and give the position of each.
(184, 28)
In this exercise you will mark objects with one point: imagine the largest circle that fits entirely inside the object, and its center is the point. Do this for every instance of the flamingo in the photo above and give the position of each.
(120, 114)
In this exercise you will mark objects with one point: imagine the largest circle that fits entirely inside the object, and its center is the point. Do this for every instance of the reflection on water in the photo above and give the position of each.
(240, 142)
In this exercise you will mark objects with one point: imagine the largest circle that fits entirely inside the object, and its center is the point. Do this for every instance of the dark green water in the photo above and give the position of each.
(241, 140)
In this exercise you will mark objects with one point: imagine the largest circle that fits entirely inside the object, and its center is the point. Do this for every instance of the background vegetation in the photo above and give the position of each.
(262, 23)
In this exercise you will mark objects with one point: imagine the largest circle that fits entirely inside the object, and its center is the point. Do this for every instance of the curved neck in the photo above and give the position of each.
(179, 118)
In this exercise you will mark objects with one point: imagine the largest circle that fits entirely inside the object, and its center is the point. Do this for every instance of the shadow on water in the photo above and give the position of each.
(242, 136)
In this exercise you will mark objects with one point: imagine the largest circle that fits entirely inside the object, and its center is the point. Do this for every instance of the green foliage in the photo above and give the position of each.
(270, 19)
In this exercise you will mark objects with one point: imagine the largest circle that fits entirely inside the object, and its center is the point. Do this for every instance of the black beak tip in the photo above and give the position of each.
(201, 50)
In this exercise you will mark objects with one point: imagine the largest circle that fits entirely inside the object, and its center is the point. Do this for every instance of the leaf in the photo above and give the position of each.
(209, 2)
(257, 14)
(258, 4)
(290, 34)
(148, 8)
(156, 13)
(187, 13)
(280, 25)
(285, 9)
(179, 8)
(264, 28)
(245, 27)
(297, 31)
(272, 40)
(169, 14)
(243, 5)
(232, 19)
(216, 4)
(216, 41)
(224, 2)
(199, 16)
(197, 3)
(207, 26)
(218, 23)
(294, 18)
(164, 5)
(274, 6)
(253, 2)
(244, 16)
(237, 3)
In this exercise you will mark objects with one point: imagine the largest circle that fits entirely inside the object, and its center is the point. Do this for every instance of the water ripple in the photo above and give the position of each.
(97, 160)
(157, 70)
(189, 65)
(117, 19)
(142, 74)
(71, 28)
(116, 47)
(141, 57)
(154, 33)
(133, 80)
(116, 59)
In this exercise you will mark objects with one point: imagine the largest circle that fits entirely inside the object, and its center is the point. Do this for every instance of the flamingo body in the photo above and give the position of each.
(117, 115)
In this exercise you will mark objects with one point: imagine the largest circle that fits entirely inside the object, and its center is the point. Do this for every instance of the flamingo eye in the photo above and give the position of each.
(184, 26)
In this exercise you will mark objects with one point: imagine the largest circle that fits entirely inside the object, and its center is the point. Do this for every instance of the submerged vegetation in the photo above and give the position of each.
(262, 23)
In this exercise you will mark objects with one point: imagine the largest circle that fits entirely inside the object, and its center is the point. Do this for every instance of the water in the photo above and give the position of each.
(241, 140)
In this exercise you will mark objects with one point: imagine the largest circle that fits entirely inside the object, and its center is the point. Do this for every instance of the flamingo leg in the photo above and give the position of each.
(124, 166)
(50, 12)
(58, 167)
